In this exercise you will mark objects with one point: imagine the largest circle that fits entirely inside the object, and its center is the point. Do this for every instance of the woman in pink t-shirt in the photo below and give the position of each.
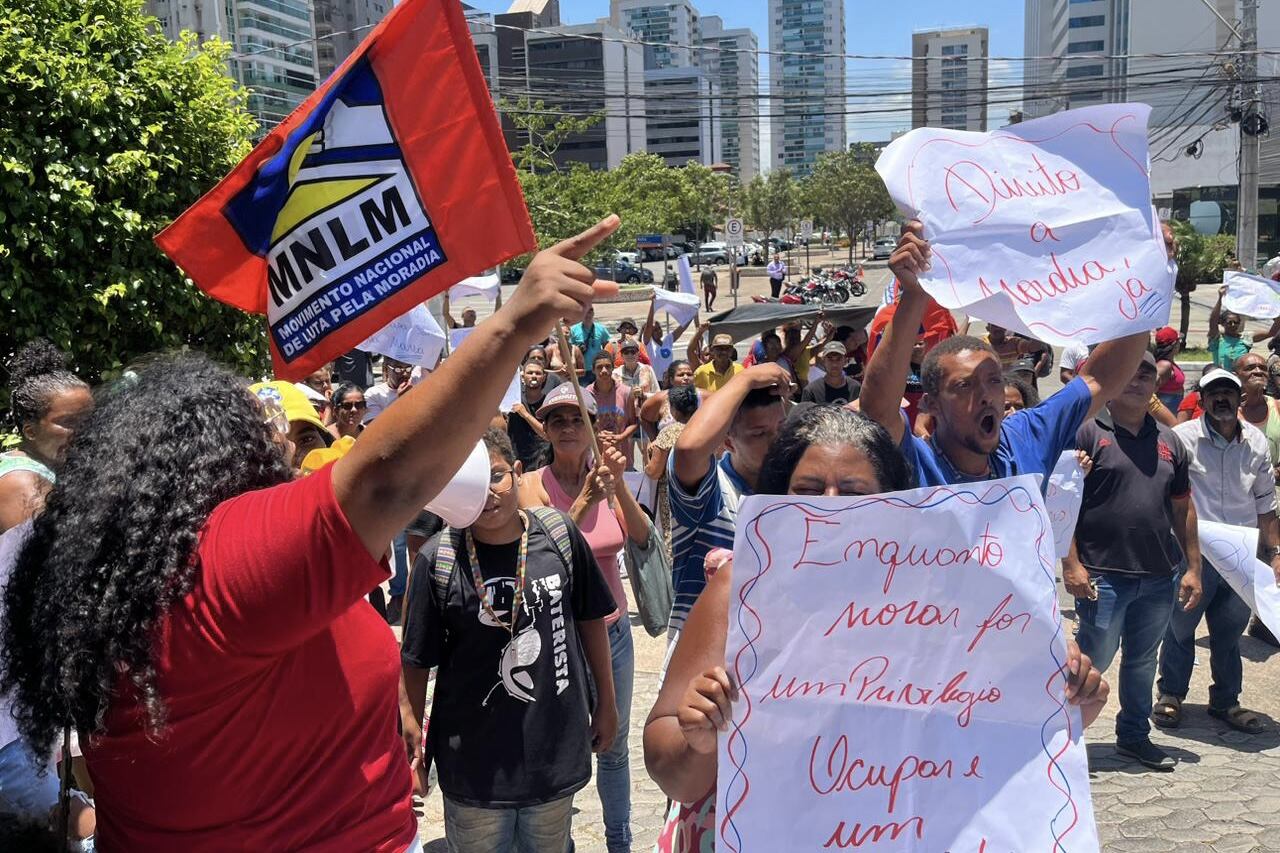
(198, 614)
(572, 482)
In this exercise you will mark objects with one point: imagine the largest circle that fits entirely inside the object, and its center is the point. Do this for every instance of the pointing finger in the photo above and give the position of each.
(575, 248)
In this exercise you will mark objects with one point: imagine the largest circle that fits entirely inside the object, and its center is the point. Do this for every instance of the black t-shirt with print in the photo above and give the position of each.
(510, 722)
(818, 391)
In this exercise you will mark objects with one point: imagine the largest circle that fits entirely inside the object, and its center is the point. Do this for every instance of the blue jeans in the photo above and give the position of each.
(533, 829)
(613, 769)
(23, 791)
(1131, 613)
(400, 562)
(1228, 616)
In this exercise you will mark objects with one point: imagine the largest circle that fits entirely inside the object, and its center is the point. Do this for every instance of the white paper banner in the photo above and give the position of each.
(413, 337)
(685, 275)
(682, 307)
(512, 396)
(1233, 552)
(900, 659)
(1062, 500)
(1044, 227)
(1251, 295)
(478, 285)
(458, 335)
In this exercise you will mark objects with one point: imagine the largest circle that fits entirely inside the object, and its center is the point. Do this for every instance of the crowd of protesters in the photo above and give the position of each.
(194, 564)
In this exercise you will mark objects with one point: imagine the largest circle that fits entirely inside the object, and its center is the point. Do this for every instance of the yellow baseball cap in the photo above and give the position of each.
(294, 403)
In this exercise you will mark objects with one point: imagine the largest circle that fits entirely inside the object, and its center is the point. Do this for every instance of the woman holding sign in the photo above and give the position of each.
(201, 613)
(821, 450)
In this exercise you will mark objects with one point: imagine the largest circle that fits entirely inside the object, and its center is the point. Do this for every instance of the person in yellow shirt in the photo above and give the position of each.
(723, 366)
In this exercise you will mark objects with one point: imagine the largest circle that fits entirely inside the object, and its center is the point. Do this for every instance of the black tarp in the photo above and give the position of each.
(749, 320)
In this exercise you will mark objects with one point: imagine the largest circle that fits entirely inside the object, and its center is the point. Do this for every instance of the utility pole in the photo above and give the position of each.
(1247, 202)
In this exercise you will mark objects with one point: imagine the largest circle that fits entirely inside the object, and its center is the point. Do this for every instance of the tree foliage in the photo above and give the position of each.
(845, 191)
(107, 132)
(771, 201)
(1201, 259)
(648, 195)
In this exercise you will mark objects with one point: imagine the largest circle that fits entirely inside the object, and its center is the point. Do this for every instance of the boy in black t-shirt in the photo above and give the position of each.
(834, 388)
(512, 727)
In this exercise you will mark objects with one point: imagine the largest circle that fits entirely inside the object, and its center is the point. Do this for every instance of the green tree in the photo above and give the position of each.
(771, 201)
(703, 201)
(845, 191)
(108, 132)
(1201, 259)
(543, 130)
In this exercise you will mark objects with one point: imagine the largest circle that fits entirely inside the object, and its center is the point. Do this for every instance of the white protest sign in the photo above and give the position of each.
(458, 335)
(1251, 295)
(1062, 500)
(901, 663)
(413, 337)
(477, 285)
(682, 307)
(806, 229)
(685, 275)
(1233, 552)
(1044, 227)
(512, 395)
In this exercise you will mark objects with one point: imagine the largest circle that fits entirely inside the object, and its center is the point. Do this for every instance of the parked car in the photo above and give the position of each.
(623, 272)
(714, 252)
(883, 248)
(512, 275)
(777, 244)
(671, 253)
(628, 257)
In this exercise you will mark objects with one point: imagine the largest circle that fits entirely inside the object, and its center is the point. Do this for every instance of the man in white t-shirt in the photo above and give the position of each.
(1074, 355)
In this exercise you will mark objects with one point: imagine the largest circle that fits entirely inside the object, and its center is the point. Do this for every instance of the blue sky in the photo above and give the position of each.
(872, 27)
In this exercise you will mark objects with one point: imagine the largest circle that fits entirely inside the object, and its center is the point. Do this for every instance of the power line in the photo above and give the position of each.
(768, 52)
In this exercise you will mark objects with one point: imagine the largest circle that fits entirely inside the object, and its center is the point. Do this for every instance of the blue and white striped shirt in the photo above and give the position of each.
(700, 521)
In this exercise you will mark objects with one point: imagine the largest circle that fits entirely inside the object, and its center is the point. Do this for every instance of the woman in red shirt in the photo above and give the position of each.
(199, 616)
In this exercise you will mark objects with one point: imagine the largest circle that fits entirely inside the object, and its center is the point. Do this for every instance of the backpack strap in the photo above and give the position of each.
(556, 523)
(443, 568)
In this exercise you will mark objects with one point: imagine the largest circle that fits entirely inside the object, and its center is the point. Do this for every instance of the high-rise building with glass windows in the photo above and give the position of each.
(674, 24)
(806, 81)
(734, 63)
(949, 78)
(340, 27)
(273, 46)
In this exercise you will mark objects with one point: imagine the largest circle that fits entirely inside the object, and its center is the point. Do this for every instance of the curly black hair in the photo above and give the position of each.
(37, 373)
(115, 546)
(832, 425)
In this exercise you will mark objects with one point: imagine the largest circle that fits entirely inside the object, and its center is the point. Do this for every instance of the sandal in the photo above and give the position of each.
(1240, 719)
(1167, 712)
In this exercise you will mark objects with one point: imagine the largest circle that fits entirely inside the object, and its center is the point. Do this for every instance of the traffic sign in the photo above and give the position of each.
(806, 229)
(733, 232)
(649, 241)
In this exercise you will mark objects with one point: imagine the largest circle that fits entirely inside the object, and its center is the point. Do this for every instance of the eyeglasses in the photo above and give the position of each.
(353, 406)
(497, 478)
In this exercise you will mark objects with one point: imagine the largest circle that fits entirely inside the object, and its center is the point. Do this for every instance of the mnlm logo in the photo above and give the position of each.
(337, 217)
